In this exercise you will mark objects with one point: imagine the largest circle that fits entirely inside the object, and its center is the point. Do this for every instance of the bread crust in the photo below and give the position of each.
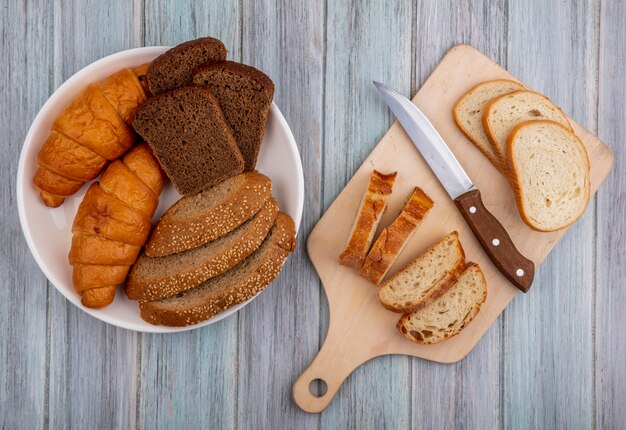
(91, 129)
(466, 321)
(173, 233)
(249, 283)
(392, 239)
(112, 223)
(186, 276)
(490, 134)
(249, 148)
(514, 178)
(438, 289)
(494, 160)
(162, 59)
(372, 207)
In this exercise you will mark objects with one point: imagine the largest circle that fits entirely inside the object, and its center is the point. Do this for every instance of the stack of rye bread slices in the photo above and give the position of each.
(225, 239)
(438, 293)
(531, 142)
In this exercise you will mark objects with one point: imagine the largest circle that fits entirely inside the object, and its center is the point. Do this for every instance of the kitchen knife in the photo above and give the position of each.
(490, 233)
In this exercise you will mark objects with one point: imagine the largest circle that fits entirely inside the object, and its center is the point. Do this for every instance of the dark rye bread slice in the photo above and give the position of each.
(161, 277)
(175, 67)
(245, 96)
(235, 286)
(195, 220)
(189, 136)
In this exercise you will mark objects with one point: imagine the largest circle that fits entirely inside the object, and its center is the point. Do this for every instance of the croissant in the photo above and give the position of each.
(92, 130)
(112, 223)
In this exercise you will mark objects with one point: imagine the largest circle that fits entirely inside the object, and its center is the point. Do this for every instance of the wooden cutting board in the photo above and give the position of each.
(359, 327)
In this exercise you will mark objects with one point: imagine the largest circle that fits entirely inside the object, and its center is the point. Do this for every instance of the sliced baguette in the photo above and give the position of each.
(426, 278)
(198, 219)
(160, 277)
(367, 218)
(392, 240)
(549, 173)
(505, 112)
(450, 313)
(235, 286)
(468, 113)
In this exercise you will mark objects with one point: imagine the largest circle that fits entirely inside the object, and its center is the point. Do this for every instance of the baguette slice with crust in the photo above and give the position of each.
(426, 278)
(393, 238)
(235, 286)
(468, 113)
(450, 313)
(195, 220)
(505, 112)
(549, 173)
(160, 277)
(368, 217)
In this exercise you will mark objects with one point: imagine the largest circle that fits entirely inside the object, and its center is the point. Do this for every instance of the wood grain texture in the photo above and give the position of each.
(190, 381)
(556, 359)
(360, 49)
(92, 376)
(547, 350)
(459, 391)
(278, 332)
(24, 86)
(610, 268)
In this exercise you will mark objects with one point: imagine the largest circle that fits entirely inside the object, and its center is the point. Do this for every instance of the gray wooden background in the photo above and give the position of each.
(556, 358)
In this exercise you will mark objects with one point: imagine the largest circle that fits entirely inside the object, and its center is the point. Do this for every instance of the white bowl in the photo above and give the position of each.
(48, 231)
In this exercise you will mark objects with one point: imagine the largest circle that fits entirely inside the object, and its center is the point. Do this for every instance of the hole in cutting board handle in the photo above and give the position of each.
(318, 387)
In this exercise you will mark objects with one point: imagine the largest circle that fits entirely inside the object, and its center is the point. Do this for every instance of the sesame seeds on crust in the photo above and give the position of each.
(221, 209)
(160, 277)
(233, 287)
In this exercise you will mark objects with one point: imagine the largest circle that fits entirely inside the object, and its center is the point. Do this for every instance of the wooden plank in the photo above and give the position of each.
(92, 365)
(547, 358)
(25, 87)
(610, 337)
(278, 332)
(188, 380)
(365, 42)
(457, 393)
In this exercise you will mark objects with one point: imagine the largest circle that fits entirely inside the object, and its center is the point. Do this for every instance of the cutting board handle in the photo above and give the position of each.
(332, 366)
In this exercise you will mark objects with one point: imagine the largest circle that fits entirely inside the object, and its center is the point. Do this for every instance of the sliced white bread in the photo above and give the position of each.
(505, 112)
(394, 238)
(237, 285)
(367, 218)
(468, 113)
(160, 277)
(549, 173)
(426, 278)
(450, 313)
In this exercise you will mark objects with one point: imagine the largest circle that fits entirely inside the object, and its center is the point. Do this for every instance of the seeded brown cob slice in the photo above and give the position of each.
(245, 96)
(198, 219)
(161, 277)
(235, 286)
(175, 67)
(188, 134)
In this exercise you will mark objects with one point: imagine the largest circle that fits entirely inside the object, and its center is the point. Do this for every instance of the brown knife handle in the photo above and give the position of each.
(496, 241)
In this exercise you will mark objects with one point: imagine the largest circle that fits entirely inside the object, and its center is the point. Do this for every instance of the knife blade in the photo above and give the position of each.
(490, 233)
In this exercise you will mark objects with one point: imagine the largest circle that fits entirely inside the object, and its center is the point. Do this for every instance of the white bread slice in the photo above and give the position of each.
(468, 113)
(505, 112)
(393, 239)
(549, 173)
(426, 278)
(367, 218)
(450, 313)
